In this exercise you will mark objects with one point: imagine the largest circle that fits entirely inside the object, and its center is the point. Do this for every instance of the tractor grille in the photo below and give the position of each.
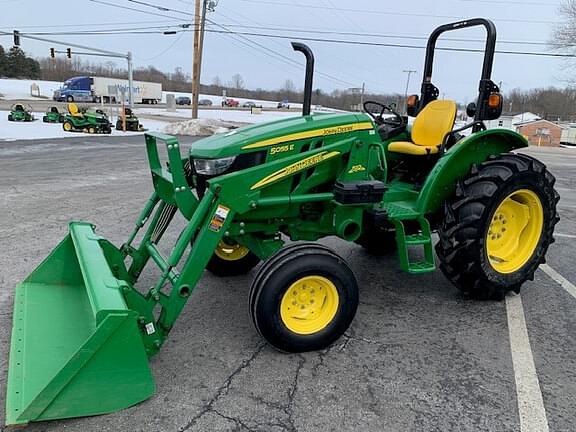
(243, 161)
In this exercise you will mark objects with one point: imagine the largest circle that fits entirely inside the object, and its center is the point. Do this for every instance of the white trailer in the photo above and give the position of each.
(568, 138)
(143, 92)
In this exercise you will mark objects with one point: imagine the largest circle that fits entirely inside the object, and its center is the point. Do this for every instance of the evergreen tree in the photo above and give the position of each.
(16, 63)
(2, 61)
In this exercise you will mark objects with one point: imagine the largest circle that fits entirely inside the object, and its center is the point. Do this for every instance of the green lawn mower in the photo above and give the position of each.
(21, 113)
(52, 115)
(83, 332)
(131, 121)
(86, 121)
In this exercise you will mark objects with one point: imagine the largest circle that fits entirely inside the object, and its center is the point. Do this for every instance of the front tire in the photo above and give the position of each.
(303, 298)
(498, 226)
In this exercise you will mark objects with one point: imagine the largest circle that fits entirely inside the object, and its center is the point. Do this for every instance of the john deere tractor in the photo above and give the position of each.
(52, 115)
(21, 113)
(83, 332)
(86, 121)
(128, 122)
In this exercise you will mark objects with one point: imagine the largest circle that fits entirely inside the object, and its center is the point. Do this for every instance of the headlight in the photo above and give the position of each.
(213, 167)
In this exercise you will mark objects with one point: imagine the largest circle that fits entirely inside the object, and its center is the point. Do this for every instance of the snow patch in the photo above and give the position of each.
(199, 127)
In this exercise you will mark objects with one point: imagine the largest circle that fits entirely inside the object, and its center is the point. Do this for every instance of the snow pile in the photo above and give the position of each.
(199, 127)
(12, 89)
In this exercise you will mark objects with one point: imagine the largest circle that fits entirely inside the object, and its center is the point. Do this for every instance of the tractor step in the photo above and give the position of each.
(398, 213)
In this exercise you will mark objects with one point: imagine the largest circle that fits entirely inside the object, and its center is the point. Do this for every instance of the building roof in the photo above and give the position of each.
(524, 123)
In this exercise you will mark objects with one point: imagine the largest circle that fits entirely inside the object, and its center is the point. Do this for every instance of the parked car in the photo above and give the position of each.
(183, 100)
(230, 103)
(205, 102)
(283, 105)
(249, 104)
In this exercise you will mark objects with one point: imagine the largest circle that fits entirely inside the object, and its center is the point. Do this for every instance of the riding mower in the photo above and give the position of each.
(83, 332)
(52, 115)
(130, 121)
(86, 121)
(21, 113)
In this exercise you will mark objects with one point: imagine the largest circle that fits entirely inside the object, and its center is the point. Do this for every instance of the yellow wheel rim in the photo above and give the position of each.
(231, 252)
(67, 126)
(515, 230)
(309, 305)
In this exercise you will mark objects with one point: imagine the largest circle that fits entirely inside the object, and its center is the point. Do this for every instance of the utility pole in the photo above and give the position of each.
(362, 95)
(196, 59)
(409, 72)
(200, 9)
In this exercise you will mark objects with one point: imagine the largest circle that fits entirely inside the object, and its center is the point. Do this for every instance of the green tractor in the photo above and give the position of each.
(130, 120)
(91, 122)
(52, 115)
(21, 113)
(82, 328)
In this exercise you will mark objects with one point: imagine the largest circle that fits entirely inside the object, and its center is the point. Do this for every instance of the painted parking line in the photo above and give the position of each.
(570, 236)
(530, 402)
(558, 278)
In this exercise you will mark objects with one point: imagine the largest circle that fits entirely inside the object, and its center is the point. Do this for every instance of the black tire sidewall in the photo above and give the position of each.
(268, 301)
(524, 180)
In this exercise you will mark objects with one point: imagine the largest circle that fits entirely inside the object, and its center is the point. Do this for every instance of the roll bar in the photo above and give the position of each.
(429, 92)
(305, 49)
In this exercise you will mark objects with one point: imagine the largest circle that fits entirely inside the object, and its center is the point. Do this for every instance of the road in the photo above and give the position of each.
(418, 356)
(40, 105)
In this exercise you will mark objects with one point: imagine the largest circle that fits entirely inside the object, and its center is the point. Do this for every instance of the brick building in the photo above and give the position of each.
(542, 133)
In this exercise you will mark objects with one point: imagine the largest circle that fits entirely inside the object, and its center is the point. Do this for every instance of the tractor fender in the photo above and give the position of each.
(458, 161)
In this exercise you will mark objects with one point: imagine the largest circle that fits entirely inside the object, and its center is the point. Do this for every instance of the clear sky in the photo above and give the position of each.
(339, 66)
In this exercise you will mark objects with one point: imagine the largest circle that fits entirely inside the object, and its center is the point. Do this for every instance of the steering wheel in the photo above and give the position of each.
(397, 121)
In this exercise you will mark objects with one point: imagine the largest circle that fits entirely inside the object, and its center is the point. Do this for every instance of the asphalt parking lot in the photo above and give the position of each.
(418, 356)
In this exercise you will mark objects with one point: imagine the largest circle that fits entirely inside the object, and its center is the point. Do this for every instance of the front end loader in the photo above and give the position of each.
(83, 329)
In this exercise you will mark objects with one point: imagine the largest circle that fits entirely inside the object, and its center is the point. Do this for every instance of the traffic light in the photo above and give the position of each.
(16, 38)
(69, 52)
(52, 53)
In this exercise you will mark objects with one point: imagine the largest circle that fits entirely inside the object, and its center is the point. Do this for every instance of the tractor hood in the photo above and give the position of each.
(261, 136)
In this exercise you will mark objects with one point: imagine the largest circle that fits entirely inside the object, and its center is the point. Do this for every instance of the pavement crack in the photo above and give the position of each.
(223, 389)
(292, 395)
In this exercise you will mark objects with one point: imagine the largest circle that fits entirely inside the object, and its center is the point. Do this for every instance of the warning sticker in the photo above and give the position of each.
(219, 218)
(150, 328)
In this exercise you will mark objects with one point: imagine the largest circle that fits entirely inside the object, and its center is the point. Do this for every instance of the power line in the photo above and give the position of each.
(364, 43)
(336, 41)
(134, 9)
(377, 12)
(384, 36)
(290, 60)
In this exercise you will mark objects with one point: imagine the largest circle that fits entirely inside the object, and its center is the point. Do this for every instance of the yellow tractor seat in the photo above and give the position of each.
(429, 129)
(74, 111)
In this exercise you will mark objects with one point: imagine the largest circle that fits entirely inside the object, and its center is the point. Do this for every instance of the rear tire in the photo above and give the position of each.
(10, 118)
(45, 119)
(69, 99)
(303, 298)
(67, 126)
(232, 260)
(498, 226)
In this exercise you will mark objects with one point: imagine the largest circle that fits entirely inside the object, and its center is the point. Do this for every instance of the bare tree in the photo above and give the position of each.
(564, 37)
(237, 82)
(216, 81)
(289, 86)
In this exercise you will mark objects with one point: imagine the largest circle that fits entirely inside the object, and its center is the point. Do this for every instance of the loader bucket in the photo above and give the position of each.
(76, 348)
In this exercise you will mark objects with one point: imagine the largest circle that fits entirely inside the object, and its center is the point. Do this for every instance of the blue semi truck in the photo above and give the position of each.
(97, 89)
